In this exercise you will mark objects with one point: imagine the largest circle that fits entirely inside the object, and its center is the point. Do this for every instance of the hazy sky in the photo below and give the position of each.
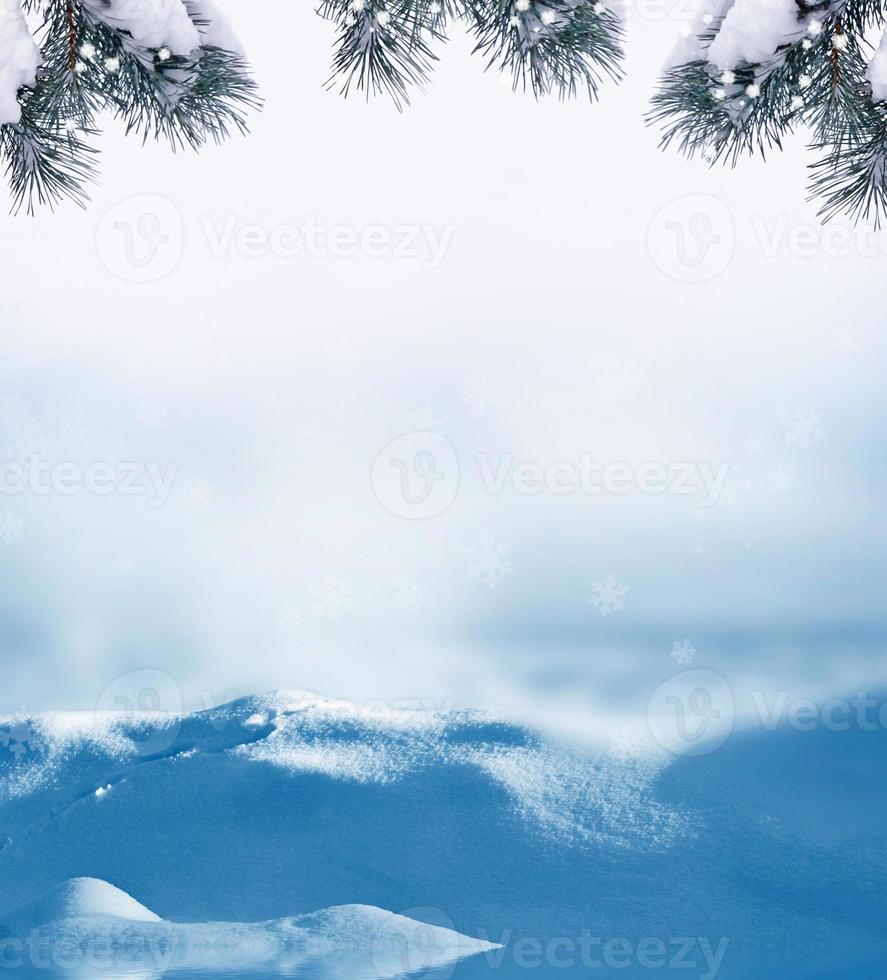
(528, 306)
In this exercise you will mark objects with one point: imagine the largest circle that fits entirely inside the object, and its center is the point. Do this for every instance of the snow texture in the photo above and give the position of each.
(88, 915)
(752, 31)
(152, 24)
(689, 47)
(277, 805)
(877, 71)
(214, 27)
(19, 59)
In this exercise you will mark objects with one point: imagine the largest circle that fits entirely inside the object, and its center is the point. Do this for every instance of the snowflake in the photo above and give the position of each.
(289, 616)
(407, 594)
(802, 428)
(683, 652)
(428, 426)
(488, 560)
(20, 435)
(11, 528)
(20, 738)
(153, 415)
(847, 341)
(332, 598)
(626, 742)
(696, 511)
(781, 478)
(755, 444)
(77, 437)
(618, 385)
(729, 495)
(481, 393)
(650, 344)
(608, 596)
(199, 494)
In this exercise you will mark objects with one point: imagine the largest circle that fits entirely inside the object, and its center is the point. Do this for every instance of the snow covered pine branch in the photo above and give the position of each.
(560, 46)
(167, 68)
(753, 70)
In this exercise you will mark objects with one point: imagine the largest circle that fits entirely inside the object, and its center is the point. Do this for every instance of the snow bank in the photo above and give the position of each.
(19, 59)
(85, 917)
(276, 805)
(78, 897)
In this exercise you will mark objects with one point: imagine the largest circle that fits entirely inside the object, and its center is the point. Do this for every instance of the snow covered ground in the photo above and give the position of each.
(88, 924)
(756, 860)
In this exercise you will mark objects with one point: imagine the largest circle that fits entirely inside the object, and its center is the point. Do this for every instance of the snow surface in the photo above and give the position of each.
(877, 71)
(274, 806)
(151, 23)
(752, 30)
(77, 897)
(19, 59)
(214, 27)
(87, 915)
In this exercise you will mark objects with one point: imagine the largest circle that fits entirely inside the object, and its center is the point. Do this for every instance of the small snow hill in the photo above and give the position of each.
(78, 897)
(281, 804)
(86, 916)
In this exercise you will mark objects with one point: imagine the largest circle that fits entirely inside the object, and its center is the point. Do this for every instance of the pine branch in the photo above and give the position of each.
(91, 64)
(817, 78)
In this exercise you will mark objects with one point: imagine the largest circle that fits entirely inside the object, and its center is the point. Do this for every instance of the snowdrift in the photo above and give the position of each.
(286, 803)
(86, 923)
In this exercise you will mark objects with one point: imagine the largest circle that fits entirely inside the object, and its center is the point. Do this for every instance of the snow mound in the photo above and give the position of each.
(79, 897)
(86, 915)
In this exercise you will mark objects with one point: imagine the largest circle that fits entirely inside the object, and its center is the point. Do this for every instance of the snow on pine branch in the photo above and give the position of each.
(166, 68)
(19, 59)
(560, 46)
(877, 71)
(754, 70)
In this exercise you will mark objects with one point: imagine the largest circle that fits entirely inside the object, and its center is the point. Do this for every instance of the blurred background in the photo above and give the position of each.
(304, 442)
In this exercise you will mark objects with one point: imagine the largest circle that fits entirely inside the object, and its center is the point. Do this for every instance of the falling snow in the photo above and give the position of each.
(609, 595)
(488, 560)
